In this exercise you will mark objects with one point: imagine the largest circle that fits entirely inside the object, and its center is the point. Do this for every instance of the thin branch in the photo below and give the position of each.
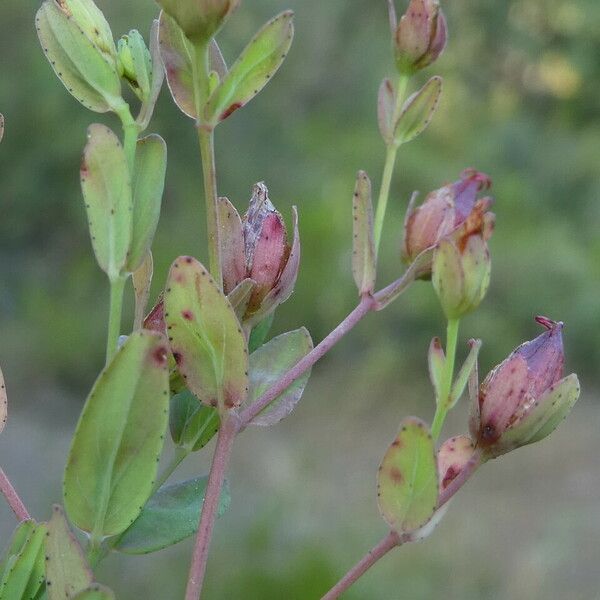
(13, 499)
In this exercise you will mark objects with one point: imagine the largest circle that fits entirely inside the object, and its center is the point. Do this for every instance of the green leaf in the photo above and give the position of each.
(258, 62)
(364, 258)
(19, 538)
(386, 102)
(205, 336)
(259, 332)
(268, 364)
(67, 571)
(171, 515)
(418, 111)
(465, 372)
(148, 184)
(95, 592)
(106, 189)
(192, 423)
(240, 295)
(87, 69)
(3, 402)
(156, 81)
(113, 458)
(24, 570)
(407, 482)
(142, 280)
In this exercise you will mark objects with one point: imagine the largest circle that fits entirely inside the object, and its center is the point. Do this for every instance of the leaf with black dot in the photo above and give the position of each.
(257, 63)
(205, 336)
(95, 592)
(418, 112)
(67, 571)
(112, 463)
(364, 259)
(407, 481)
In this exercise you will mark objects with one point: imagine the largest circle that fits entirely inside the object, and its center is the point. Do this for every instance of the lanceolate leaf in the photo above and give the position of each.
(407, 482)
(205, 336)
(259, 61)
(19, 538)
(177, 54)
(86, 71)
(171, 515)
(95, 592)
(158, 75)
(67, 571)
(363, 245)
(192, 423)
(268, 364)
(240, 296)
(24, 570)
(418, 111)
(106, 186)
(142, 280)
(3, 402)
(112, 463)
(386, 102)
(147, 186)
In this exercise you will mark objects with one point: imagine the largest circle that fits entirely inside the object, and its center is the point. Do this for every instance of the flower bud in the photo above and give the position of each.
(256, 248)
(452, 209)
(199, 19)
(524, 398)
(420, 36)
(135, 63)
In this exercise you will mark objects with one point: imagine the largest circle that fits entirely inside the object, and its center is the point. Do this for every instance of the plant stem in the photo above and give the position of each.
(117, 287)
(390, 541)
(206, 139)
(366, 304)
(180, 454)
(225, 438)
(444, 401)
(390, 162)
(13, 499)
(130, 135)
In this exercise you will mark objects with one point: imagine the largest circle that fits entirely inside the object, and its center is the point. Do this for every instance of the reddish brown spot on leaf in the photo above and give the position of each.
(188, 315)
(396, 475)
(230, 110)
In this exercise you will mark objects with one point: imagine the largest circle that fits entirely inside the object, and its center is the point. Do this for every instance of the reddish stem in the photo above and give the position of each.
(13, 499)
(227, 432)
(366, 304)
(390, 541)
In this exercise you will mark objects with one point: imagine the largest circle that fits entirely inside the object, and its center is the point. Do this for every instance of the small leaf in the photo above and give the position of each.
(147, 188)
(158, 75)
(240, 296)
(19, 538)
(86, 71)
(95, 592)
(437, 362)
(465, 372)
(205, 336)
(453, 455)
(170, 516)
(106, 189)
(112, 462)
(407, 482)
(259, 332)
(258, 62)
(418, 111)
(24, 571)
(192, 424)
(268, 364)
(142, 279)
(3, 402)
(386, 103)
(176, 52)
(363, 254)
(67, 571)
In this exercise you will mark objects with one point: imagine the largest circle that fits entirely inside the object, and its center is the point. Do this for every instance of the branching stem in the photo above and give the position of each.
(13, 499)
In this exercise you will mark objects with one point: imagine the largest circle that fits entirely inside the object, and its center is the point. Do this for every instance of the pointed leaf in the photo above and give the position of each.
(259, 333)
(3, 402)
(386, 103)
(217, 62)
(464, 374)
(192, 424)
(147, 187)
(106, 189)
(407, 482)
(19, 538)
(363, 253)
(205, 336)
(437, 362)
(231, 240)
(142, 279)
(259, 61)
(67, 571)
(418, 111)
(171, 515)
(112, 462)
(268, 364)
(86, 71)
(158, 75)
(240, 296)
(95, 592)
(24, 572)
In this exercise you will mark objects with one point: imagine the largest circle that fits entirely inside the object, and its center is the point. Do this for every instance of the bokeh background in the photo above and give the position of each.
(521, 103)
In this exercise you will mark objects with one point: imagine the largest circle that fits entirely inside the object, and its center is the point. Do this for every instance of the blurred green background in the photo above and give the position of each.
(522, 82)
